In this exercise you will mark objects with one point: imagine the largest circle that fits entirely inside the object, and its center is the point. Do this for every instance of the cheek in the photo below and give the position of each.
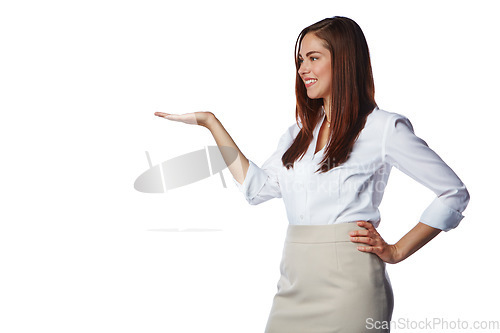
(326, 72)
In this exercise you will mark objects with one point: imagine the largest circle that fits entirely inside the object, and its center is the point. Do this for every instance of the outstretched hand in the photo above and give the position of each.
(376, 244)
(193, 118)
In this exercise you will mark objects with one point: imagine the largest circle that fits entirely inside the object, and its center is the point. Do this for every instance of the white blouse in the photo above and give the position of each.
(353, 191)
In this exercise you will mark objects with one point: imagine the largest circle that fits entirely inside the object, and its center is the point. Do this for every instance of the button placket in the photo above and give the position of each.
(306, 192)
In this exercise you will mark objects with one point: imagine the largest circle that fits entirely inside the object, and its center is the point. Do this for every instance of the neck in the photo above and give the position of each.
(327, 106)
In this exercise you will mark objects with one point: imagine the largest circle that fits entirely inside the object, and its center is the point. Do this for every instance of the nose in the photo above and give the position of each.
(303, 69)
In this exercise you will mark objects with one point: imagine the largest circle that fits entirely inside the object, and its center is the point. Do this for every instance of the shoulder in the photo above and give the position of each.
(289, 135)
(383, 116)
(292, 131)
(383, 119)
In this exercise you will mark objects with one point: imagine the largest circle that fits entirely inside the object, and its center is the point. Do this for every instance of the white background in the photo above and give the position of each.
(82, 251)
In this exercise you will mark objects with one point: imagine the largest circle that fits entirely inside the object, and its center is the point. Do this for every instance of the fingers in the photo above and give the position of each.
(167, 115)
(371, 249)
(374, 243)
(368, 236)
(360, 233)
(188, 118)
(365, 248)
(369, 230)
(366, 224)
(161, 114)
(365, 240)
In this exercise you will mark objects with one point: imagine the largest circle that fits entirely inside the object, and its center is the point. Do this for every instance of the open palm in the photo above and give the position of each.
(193, 118)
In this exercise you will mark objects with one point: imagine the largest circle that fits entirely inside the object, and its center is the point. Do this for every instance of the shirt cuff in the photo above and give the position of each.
(254, 181)
(440, 216)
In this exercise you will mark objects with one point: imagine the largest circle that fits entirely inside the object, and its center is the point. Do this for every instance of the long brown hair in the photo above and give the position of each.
(352, 95)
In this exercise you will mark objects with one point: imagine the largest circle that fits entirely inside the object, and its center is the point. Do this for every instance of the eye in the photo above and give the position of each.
(314, 58)
(300, 60)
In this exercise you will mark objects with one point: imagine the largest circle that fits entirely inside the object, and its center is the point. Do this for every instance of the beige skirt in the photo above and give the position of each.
(327, 285)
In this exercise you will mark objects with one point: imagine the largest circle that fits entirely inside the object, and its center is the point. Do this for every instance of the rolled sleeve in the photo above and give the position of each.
(253, 183)
(262, 183)
(412, 155)
(440, 216)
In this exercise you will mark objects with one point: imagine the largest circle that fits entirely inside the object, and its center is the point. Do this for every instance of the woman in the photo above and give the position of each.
(331, 168)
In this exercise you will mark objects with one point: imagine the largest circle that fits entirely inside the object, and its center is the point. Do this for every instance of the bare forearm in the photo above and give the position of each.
(417, 237)
(239, 166)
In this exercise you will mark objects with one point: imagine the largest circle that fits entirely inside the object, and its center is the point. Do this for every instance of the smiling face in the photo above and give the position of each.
(315, 67)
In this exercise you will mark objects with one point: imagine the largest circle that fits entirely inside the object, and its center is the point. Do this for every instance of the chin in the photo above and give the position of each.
(313, 96)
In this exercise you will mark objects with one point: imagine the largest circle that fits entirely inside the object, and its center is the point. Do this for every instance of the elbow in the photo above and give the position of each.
(462, 197)
(253, 201)
(465, 197)
(250, 202)
(260, 198)
(457, 198)
(445, 212)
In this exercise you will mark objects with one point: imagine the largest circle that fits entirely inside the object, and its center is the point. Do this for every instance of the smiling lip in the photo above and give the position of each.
(310, 82)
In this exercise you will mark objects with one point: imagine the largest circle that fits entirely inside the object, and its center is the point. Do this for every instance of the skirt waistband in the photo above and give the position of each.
(324, 233)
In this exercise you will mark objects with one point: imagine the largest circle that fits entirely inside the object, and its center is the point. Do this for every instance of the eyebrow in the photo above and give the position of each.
(309, 53)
